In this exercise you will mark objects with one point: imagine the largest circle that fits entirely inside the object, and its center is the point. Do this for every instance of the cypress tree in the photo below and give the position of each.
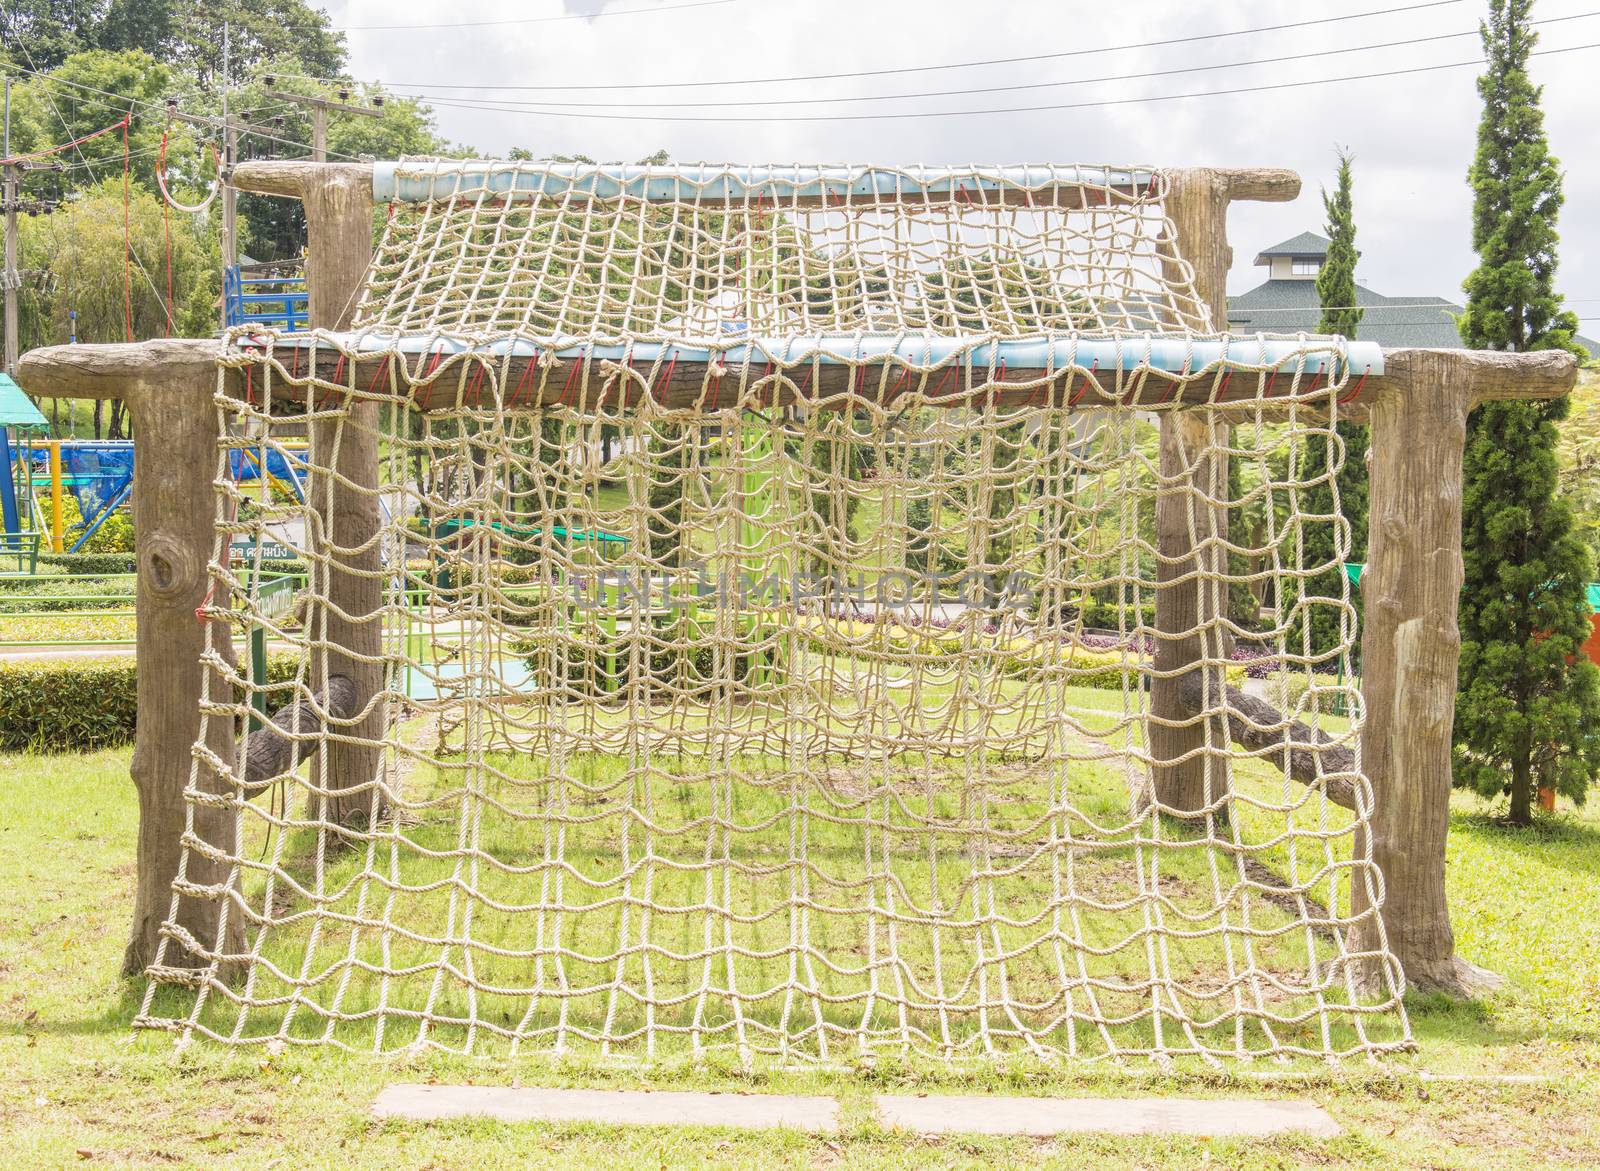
(1336, 290)
(1528, 703)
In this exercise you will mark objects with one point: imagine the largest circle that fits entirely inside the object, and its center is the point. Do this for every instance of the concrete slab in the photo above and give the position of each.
(1043, 1117)
(622, 1107)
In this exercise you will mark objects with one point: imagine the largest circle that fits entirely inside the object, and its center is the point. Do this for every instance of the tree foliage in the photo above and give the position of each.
(1343, 492)
(1528, 707)
(42, 34)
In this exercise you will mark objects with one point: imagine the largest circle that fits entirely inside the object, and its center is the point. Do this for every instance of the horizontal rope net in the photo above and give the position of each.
(791, 720)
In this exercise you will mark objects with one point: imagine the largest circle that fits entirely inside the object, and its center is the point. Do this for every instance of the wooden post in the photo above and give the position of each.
(169, 387)
(1411, 644)
(1191, 601)
(347, 520)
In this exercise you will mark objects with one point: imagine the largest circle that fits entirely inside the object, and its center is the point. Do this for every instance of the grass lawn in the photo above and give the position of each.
(82, 1090)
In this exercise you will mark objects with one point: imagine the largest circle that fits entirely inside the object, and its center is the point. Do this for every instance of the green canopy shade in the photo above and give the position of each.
(17, 409)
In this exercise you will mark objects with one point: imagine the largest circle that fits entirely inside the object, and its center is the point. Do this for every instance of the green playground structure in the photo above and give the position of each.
(454, 525)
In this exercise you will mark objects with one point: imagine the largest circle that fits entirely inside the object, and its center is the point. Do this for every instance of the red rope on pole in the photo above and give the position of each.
(55, 150)
(127, 238)
(1356, 389)
(166, 232)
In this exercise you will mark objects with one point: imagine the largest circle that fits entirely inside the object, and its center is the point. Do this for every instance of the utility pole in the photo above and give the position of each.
(10, 275)
(12, 201)
(319, 108)
(230, 196)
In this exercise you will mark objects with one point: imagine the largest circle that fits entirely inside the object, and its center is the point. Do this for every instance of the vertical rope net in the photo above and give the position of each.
(763, 631)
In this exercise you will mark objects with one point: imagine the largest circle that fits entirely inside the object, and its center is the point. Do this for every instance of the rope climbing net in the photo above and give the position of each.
(761, 643)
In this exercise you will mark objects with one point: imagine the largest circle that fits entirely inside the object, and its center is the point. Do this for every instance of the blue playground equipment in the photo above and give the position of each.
(285, 467)
(20, 426)
(98, 473)
(265, 295)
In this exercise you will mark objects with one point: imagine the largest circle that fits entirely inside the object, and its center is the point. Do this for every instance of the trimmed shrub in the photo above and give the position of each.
(606, 666)
(1286, 690)
(74, 705)
(90, 564)
(42, 595)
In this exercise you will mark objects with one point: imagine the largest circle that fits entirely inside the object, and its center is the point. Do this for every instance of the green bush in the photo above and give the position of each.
(670, 667)
(90, 564)
(73, 705)
(115, 534)
(56, 594)
(1285, 690)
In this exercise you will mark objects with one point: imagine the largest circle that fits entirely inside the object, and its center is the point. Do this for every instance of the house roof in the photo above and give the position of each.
(1395, 322)
(17, 409)
(1305, 245)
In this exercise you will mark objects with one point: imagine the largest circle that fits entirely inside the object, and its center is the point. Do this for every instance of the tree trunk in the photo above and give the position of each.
(1190, 749)
(1521, 812)
(1410, 649)
(348, 525)
(174, 514)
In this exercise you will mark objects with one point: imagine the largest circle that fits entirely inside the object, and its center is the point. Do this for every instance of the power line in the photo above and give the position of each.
(602, 14)
(256, 132)
(515, 106)
(1052, 56)
(547, 112)
(56, 109)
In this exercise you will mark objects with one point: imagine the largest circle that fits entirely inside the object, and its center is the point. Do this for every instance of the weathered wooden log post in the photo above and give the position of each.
(169, 388)
(1411, 644)
(1191, 598)
(347, 621)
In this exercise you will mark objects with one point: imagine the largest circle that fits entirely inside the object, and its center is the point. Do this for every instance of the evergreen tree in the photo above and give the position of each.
(1528, 706)
(1336, 290)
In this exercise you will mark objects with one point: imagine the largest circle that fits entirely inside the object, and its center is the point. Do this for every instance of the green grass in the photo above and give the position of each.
(82, 1090)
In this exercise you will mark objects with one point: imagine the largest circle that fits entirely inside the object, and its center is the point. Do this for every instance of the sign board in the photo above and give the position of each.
(245, 550)
(275, 596)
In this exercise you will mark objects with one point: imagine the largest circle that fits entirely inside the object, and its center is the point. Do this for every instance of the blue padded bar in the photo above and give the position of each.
(421, 182)
(1166, 353)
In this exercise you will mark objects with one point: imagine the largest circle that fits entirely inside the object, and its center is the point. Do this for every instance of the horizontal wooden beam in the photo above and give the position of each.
(124, 369)
(293, 177)
(119, 370)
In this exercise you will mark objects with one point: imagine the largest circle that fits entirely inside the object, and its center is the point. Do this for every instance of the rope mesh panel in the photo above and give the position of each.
(793, 722)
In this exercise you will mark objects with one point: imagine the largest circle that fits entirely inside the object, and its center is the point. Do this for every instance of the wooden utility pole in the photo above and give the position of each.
(319, 108)
(10, 275)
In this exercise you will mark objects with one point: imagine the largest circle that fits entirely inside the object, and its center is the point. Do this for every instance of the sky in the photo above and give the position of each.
(1412, 135)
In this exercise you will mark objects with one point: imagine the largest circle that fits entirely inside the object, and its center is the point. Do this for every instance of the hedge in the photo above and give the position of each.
(91, 564)
(74, 705)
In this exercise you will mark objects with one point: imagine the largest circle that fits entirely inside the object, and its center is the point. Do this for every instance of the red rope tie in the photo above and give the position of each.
(1356, 389)
(382, 366)
(250, 385)
(515, 397)
(1088, 381)
(572, 374)
(666, 381)
(949, 371)
(997, 380)
(203, 610)
(477, 381)
(1271, 378)
(1172, 383)
(894, 391)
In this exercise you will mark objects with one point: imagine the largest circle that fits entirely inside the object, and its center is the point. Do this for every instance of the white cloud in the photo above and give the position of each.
(1413, 135)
